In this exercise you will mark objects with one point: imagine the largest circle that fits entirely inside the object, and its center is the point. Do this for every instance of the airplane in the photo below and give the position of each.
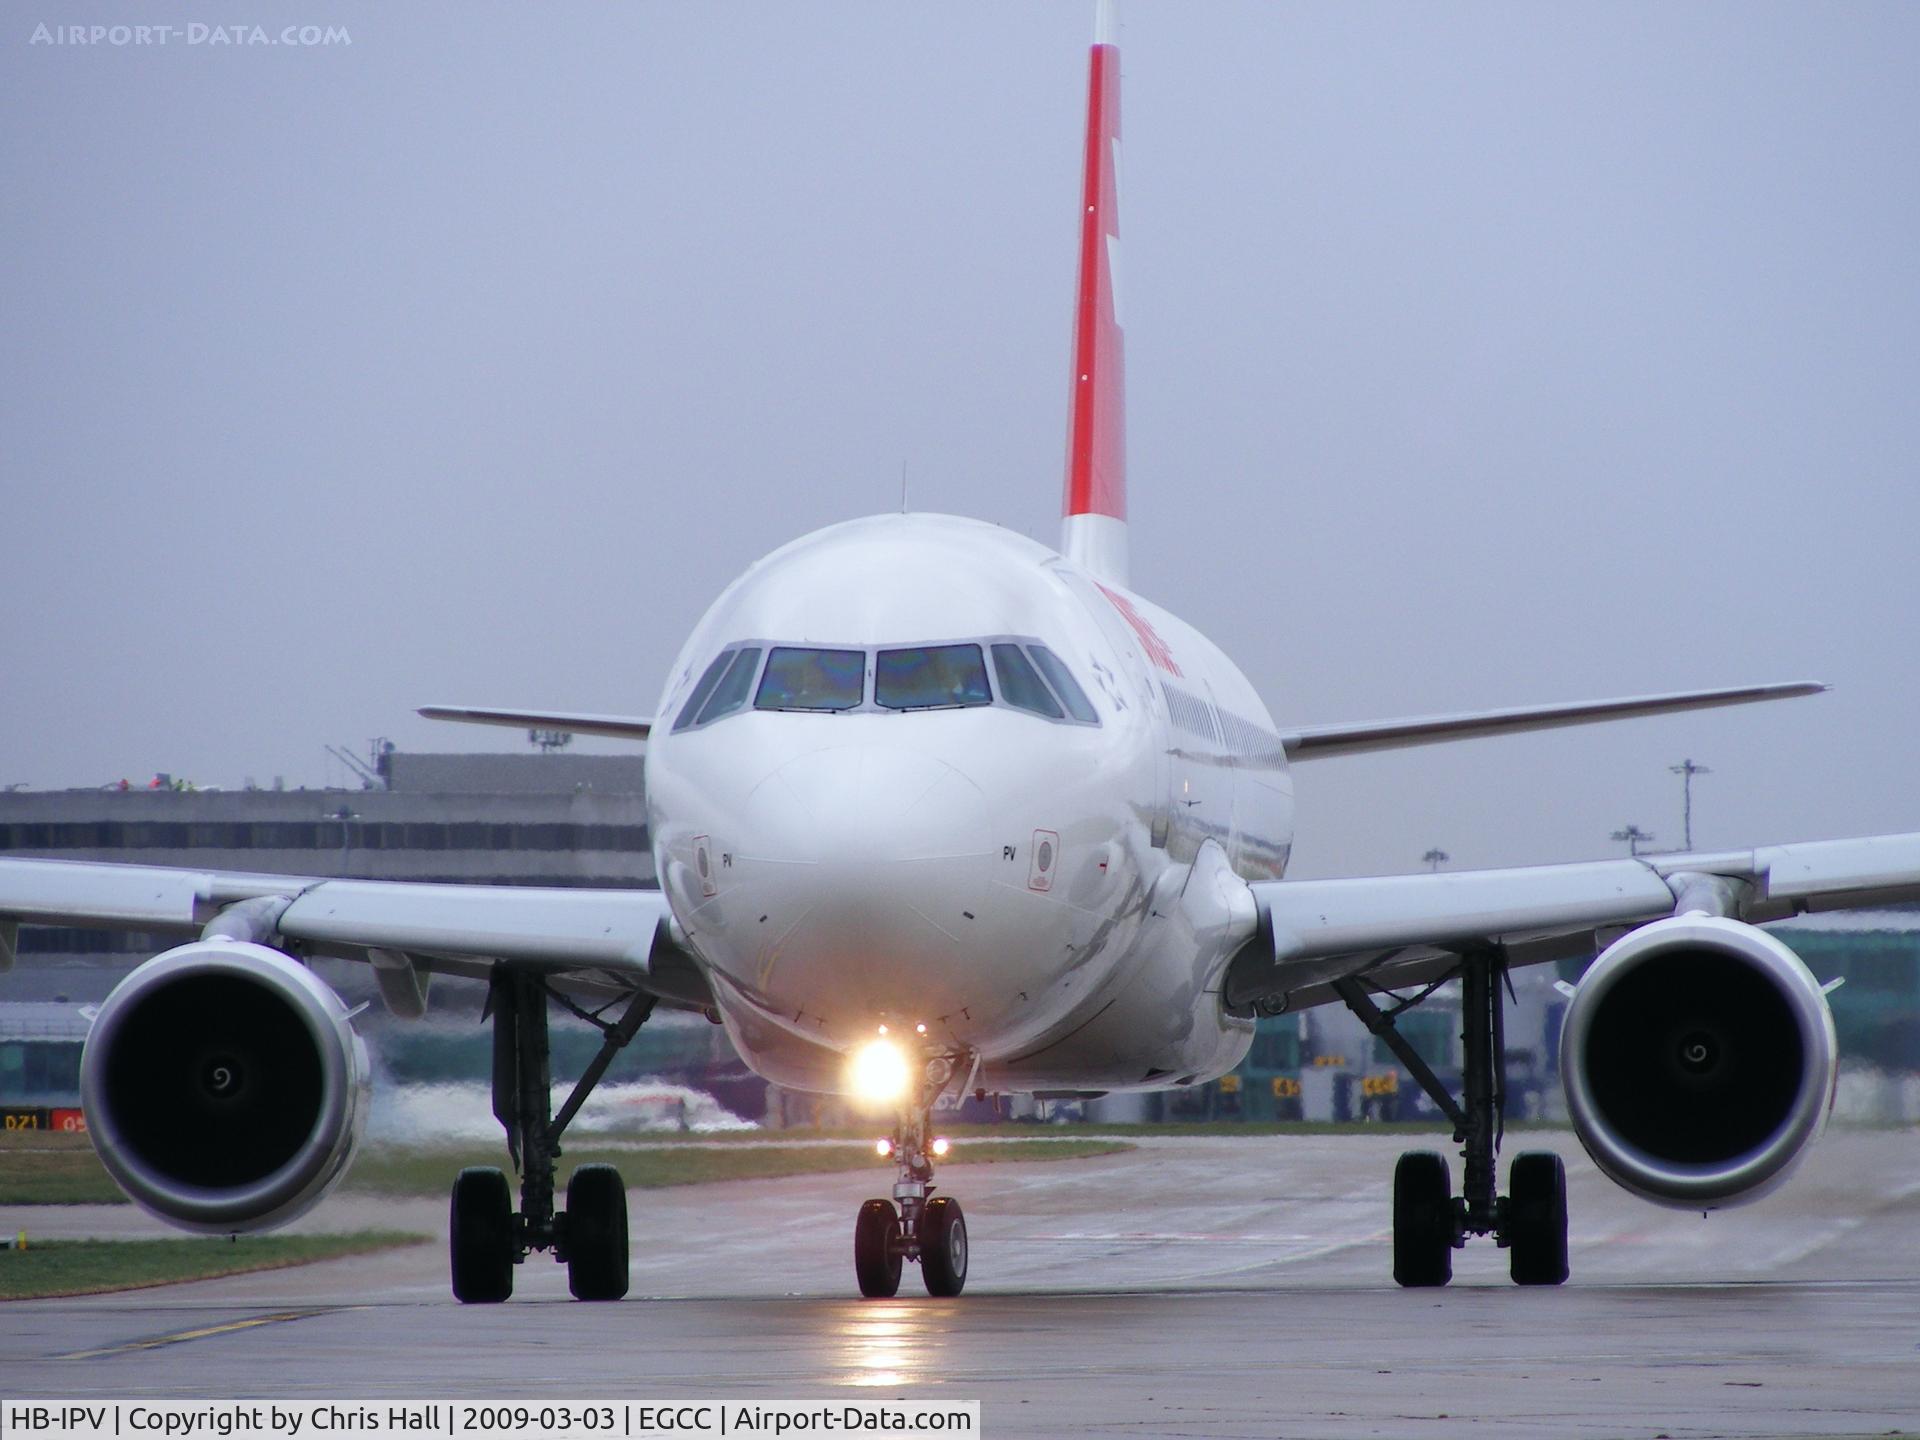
(938, 811)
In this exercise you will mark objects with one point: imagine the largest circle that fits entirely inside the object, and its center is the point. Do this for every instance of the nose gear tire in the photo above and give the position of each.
(876, 1249)
(943, 1246)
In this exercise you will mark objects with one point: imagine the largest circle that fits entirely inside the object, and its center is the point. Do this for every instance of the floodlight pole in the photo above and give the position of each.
(1687, 769)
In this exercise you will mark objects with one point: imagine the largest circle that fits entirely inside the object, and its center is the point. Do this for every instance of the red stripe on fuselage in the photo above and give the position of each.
(1158, 651)
(1097, 442)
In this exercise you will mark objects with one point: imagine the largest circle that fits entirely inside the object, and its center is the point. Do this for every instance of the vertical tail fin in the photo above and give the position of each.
(1094, 531)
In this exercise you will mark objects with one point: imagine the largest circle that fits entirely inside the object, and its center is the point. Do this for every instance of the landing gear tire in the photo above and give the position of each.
(1537, 1219)
(481, 1242)
(1423, 1220)
(596, 1233)
(943, 1246)
(876, 1251)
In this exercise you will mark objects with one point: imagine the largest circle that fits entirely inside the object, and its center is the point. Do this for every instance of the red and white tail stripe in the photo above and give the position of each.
(1094, 532)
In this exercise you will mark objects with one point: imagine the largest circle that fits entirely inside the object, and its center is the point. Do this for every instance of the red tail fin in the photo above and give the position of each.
(1095, 528)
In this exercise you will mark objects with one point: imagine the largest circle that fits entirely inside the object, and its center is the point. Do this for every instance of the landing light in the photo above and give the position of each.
(883, 1148)
(878, 1072)
(940, 1147)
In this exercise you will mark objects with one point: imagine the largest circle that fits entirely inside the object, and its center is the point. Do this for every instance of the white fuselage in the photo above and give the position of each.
(1053, 898)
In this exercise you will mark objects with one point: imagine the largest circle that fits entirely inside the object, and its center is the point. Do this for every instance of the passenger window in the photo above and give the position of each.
(731, 693)
(701, 691)
(931, 677)
(1019, 686)
(1068, 688)
(812, 680)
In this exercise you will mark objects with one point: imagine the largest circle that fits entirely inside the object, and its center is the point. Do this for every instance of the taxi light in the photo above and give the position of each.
(878, 1072)
(940, 1147)
(883, 1148)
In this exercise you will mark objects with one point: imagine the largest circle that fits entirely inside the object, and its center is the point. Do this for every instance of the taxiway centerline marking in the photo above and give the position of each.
(181, 1337)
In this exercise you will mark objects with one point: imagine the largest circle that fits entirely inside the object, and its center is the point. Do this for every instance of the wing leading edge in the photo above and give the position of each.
(610, 940)
(1409, 929)
(616, 727)
(1321, 742)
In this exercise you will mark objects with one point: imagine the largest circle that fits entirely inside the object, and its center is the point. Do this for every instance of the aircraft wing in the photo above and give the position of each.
(598, 940)
(1323, 742)
(1397, 930)
(614, 727)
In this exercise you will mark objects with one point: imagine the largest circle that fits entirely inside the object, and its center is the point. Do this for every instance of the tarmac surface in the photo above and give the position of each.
(1204, 1286)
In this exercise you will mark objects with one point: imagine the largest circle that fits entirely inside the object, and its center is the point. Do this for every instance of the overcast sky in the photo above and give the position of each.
(1479, 356)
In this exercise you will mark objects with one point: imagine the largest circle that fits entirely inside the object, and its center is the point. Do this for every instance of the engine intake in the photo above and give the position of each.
(224, 1086)
(1699, 1061)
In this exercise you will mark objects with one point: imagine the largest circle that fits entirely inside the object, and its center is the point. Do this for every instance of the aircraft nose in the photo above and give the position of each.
(869, 864)
(856, 805)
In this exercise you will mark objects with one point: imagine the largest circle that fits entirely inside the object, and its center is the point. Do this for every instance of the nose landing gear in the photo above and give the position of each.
(915, 1225)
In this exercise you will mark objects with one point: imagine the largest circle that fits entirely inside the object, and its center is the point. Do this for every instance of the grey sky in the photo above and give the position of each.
(1478, 356)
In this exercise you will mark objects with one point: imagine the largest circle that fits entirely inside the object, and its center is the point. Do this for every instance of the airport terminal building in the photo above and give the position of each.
(498, 819)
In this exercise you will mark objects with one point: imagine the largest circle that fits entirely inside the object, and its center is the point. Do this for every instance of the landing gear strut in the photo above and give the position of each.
(1429, 1222)
(916, 1224)
(488, 1238)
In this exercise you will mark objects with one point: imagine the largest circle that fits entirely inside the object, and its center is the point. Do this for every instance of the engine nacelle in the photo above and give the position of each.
(1699, 1061)
(224, 1086)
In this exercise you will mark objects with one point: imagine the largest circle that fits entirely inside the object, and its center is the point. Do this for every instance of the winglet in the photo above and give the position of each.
(617, 727)
(1094, 528)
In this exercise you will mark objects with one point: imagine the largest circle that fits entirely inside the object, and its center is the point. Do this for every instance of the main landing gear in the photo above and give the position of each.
(1429, 1221)
(488, 1239)
(915, 1225)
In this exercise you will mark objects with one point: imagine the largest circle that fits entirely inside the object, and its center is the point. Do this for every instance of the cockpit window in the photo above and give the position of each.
(931, 677)
(1013, 671)
(731, 693)
(1064, 685)
(812, 680)
(701, 691)
(1019, 685)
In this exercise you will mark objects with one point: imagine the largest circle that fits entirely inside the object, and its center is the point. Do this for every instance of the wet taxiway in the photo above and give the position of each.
(1196, 1286)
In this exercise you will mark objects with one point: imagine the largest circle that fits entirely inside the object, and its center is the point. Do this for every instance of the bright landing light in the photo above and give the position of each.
(878, 1072)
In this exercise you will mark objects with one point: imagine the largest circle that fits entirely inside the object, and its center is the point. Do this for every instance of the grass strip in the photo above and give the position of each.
(40, 1168)
(388, 1171)
(43, 1168)
(88, 1267)
(63, 1170)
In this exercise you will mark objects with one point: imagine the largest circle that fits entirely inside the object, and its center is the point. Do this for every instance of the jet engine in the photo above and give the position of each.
(1699, 1061)
(224, 1086)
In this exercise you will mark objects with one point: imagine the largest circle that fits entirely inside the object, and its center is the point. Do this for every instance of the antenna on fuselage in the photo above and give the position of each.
(903, 487)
